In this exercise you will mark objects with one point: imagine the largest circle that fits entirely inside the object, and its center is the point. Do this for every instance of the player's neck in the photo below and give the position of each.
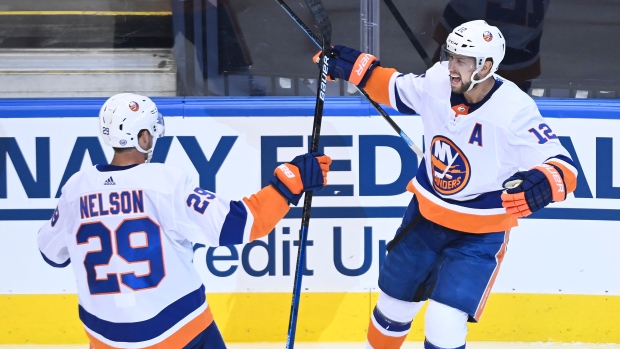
(133, 157)
(479, 91)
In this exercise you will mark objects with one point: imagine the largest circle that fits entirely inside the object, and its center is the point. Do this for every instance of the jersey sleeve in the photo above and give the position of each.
(207, 218)
(533, 142)
(51, 238)
(399, 91)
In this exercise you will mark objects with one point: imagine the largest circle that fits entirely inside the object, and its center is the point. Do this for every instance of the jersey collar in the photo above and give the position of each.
(459, 99)
(110, 168)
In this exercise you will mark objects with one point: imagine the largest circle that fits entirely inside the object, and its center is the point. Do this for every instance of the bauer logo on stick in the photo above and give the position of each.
(324, 78)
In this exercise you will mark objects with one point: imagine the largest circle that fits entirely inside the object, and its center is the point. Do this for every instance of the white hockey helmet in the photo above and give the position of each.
(124, 115)
(479, 40)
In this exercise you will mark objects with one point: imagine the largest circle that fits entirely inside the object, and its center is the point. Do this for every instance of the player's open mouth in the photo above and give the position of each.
(455, 79)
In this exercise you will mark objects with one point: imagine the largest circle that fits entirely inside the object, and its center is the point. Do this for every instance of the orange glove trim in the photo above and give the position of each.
(558, 189)
(360, 67)
(324, 161)
(290, 176)
(570, 180)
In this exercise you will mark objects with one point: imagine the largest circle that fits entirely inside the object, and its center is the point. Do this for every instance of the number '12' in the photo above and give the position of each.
(548, 134)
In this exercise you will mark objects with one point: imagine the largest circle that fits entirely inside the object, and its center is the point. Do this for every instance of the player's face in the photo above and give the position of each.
(461, 69)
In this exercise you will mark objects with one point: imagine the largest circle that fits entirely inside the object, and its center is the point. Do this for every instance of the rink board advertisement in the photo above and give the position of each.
(559, 281)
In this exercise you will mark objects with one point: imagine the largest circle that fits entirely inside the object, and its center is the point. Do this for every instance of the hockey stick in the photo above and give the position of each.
(321, 19)
(403, 25)
(376, 105)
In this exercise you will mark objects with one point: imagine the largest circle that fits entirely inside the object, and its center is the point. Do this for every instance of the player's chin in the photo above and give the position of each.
(460, 88)
(457, 89)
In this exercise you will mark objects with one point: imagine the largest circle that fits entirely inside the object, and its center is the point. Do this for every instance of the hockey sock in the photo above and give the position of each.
(384, 333)
(445, 327)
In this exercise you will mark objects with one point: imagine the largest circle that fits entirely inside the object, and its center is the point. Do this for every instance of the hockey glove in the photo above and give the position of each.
(349, 64)
(533, 190)
(304, 173)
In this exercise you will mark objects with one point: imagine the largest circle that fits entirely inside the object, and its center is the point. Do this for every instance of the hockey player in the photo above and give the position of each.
(128, 228)
(490, 158)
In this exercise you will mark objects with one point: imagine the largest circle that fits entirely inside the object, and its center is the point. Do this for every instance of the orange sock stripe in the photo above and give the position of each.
(268, 207)
(380, 341)
(177, 340)
(378, 85)
(570, 180)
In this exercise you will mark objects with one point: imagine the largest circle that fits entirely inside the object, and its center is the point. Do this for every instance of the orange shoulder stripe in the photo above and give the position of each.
(378, 85)
(268, 207)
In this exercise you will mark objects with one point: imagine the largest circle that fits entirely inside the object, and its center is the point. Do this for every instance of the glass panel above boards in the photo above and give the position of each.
(66, 48)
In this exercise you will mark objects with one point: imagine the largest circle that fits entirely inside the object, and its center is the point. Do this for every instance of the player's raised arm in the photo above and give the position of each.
(304, 173)
(384, 85)
(206, 218)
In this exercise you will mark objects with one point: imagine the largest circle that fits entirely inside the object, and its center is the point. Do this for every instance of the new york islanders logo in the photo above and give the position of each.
(134, 106)
(487, 36)
(451, 170)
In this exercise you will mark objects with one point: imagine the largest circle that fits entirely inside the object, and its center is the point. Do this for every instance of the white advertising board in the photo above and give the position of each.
(570, 247)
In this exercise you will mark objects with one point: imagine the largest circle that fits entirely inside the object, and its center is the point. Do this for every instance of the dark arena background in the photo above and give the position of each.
(256, 42)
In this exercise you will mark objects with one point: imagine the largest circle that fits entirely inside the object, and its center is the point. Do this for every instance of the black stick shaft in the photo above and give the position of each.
(320, 17)
(412, 38)
(376, 105)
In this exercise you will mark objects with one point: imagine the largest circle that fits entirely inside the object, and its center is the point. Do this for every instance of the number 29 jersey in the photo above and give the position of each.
(128, 232)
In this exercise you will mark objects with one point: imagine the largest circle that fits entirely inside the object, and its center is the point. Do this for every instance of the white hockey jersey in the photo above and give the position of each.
(470, 149)
(128, 232)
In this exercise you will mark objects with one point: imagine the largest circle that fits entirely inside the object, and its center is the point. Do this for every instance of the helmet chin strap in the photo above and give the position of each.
(149, 153)
(475, 82)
